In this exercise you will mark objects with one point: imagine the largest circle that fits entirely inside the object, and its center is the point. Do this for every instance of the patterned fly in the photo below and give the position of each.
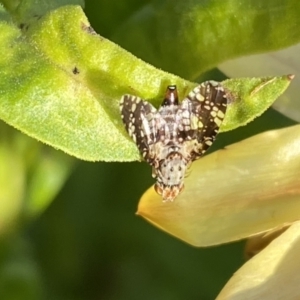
(176, 134)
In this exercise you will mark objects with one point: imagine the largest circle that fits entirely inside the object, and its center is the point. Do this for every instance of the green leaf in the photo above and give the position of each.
(31, 175)
(190, 37)
(251, 97)
(61, 84)
(12, 183)
(48, 173)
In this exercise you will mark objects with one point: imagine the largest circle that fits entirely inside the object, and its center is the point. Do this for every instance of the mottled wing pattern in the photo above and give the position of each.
(141, 121)
(202, 113)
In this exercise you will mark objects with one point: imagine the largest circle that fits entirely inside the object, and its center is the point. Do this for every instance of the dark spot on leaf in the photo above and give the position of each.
(37, 17)
(76, 71)
(88, 28)
(24, 26)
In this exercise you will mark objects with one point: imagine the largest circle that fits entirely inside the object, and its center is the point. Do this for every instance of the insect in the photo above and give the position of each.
(172, 137)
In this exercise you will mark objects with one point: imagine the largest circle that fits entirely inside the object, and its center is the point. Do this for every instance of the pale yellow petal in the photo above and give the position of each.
(260, 241)
(273, 274)
(247, 188)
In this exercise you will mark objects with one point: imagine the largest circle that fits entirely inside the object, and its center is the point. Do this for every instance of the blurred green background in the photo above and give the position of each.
(89, 244)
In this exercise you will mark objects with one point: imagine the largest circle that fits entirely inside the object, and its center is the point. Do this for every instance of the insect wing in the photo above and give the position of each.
(205, 108)
(140, 120)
